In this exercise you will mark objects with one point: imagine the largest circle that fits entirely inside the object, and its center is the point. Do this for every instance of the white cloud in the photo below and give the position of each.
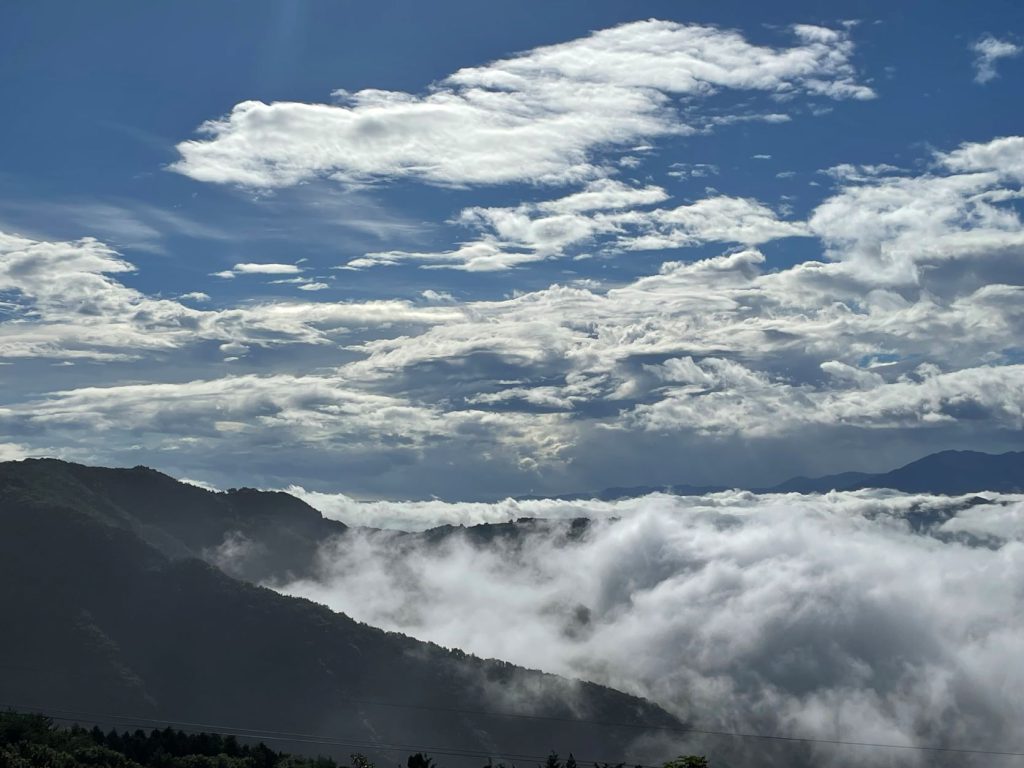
(692, 170)
(437, 296)
(847, 172)
(866, 616)
(714, 219)
(1004, 156)
(565, 387)
(987, 51)
(480, 256)
(605, 195)
(601, 216)
(895, 228)
(14, 452)
(66, 303)
(539, 116)
(248, 268)
(717, 396)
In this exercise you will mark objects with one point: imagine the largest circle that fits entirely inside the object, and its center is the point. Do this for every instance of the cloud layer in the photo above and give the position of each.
(864, 616)
(551, 389)
(683, 335)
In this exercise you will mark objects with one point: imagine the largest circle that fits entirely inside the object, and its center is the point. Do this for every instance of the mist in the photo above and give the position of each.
(866, 616)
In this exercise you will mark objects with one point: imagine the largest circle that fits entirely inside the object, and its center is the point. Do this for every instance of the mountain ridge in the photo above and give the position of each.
(950, 472)
(101, 619)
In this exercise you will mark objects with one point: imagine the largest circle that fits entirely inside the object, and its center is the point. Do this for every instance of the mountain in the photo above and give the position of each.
(109, 609)
(952, 473)
(180, 519)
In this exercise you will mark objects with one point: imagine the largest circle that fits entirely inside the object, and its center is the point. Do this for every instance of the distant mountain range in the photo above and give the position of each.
(111, 606)
(951, 473)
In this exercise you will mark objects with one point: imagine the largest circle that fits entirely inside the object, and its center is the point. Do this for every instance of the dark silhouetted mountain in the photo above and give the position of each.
(953, 473)
(106, 610)
(486, 534)
(281, 533)
(947, 472)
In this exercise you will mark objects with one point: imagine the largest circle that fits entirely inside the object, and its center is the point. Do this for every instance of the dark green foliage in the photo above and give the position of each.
(688, 761)
(33, 740)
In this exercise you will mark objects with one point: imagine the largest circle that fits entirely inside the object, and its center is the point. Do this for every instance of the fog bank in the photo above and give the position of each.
(861, 616)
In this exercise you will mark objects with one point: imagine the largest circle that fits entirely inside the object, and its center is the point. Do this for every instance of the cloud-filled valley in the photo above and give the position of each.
(867, 616)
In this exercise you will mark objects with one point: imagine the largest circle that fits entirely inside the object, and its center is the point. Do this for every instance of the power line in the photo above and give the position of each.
(681, 729)
(320, 739)
(299, 738)
(684, 729)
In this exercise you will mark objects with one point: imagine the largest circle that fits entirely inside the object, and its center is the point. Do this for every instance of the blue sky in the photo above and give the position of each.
(467, 250)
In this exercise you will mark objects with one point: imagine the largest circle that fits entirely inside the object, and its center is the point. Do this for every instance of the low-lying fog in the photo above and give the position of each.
(863, 616)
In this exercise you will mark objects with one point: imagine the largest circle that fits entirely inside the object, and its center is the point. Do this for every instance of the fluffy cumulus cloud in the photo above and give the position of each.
(864, 616)
(909, 262)
(988, 50)
(538, 116)
(606, 215)
(64, 300)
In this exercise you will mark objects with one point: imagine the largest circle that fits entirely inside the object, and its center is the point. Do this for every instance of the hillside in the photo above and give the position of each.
(98, 620)
(178, 519)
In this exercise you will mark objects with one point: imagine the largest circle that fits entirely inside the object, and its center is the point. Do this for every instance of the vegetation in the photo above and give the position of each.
(98, 620)
(33, 741)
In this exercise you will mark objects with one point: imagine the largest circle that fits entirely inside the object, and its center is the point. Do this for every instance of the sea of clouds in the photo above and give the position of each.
(867, 616)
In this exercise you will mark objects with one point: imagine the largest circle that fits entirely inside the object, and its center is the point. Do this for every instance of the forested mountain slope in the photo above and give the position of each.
(98, 620)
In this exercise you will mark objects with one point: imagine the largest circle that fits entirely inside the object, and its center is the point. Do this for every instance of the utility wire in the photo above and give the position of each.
(295, 738)
(681, 729)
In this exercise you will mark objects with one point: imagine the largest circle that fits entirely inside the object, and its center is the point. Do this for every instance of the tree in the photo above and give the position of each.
(419, 760)
(688, 761)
